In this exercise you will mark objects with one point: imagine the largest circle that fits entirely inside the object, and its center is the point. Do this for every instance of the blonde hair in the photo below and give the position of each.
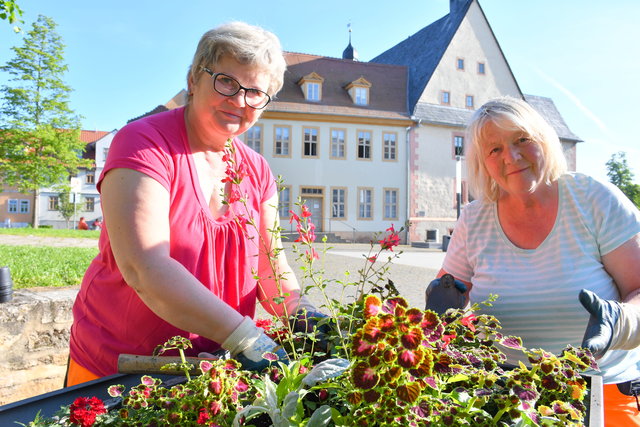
(510, 114)
(247, 44)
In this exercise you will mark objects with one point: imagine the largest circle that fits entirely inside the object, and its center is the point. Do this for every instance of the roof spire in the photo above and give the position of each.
(350, 53)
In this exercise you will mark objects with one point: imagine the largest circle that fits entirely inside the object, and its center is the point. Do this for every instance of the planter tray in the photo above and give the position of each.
(48, 404)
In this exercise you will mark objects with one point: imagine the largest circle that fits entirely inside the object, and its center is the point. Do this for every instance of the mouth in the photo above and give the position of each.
(518, 171)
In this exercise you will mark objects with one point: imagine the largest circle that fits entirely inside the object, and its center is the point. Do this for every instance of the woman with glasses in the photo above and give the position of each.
(561, 250)
(188, 210)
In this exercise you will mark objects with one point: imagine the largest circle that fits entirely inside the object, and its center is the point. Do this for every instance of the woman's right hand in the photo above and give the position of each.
(249, 345)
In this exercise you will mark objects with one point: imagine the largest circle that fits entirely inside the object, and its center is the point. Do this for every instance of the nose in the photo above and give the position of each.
(238, 99)
(512, 154)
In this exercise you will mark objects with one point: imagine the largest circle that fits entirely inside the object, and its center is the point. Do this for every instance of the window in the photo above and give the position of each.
(359, 91)
(310, 143)
(365, 203)
(90, 178)
(361, 96)
(338, 202)
(445, 98)
(481, 68)
(311, 85)
(284, 202)
(390, 203)
(313, 91)
(253, 138)
(89, 204)
(105, 151)
(53, 203)
(469, 101)
(337, 143)
(24, 206)
(458, 145)
(13, 206)
(364, 144)
(460, 64)
(282, 141)
(389, 146)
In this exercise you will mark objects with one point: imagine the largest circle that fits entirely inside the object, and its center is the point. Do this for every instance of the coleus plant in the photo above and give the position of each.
(380, 363)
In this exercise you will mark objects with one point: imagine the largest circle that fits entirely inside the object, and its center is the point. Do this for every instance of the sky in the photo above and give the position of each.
(127, 57)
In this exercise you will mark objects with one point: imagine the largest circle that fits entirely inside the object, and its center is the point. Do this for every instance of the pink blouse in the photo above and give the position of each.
(109, 317)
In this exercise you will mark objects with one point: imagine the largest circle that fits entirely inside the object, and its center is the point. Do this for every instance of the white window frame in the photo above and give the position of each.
(445, 97)
(284, 202)
(390, 200)
(390, 146)
(24, 206)
(311, 139)
(282, 143)
(363, 142)
(458, 146)
(313, 91)
(361, 95)
(12, 206)
(250, 138)
(338, 143)
(339, 202)
(469, 101)
(365, 203)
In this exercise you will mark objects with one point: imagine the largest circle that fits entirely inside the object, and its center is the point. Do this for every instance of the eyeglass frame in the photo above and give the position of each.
(214, 77)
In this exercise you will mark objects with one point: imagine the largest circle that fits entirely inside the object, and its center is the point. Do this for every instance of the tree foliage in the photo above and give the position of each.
(10, 11)
(621, 176)
(39, 140)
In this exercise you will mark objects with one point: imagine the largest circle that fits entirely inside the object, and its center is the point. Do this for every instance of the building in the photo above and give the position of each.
(455, 65)
(83, 186)
(370, 144)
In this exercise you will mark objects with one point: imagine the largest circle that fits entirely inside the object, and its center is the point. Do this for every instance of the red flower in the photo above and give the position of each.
(83, 411)
(265, 324)
(203, 417)
(305, 211)
(390, 241)
(468, 321)
(293, 217)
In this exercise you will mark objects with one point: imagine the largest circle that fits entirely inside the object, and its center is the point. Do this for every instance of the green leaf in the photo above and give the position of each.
(321, 417)
(325, 370)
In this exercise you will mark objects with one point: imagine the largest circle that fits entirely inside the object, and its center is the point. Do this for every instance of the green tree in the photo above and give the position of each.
(621, 176)
(39, 133)
(67, 203)
(10, 11)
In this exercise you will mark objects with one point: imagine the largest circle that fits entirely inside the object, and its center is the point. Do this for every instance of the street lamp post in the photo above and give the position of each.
(458, 185)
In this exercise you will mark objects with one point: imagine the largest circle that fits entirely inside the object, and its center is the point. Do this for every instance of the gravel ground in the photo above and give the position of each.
(410, 272)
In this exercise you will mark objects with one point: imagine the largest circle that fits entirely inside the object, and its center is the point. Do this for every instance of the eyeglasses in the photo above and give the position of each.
(228, 86)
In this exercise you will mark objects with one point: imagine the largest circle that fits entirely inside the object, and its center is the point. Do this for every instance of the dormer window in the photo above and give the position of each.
(359, 91)
(311, 85)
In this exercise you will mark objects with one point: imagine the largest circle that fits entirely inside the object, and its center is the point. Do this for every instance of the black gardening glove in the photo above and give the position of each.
(308, 321)
(444, 293)
(600, 329)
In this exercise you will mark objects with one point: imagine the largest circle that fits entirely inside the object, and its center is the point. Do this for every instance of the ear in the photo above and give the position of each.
(190, 84)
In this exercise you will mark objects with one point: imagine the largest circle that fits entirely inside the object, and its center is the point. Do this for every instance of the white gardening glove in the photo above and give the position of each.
(248, 343)
(613, 325)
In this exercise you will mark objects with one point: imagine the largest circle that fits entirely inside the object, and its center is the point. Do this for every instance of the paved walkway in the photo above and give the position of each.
(410, 272)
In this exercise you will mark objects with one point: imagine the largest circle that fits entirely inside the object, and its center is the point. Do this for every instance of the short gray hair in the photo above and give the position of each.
(247, 44)
(513, 114)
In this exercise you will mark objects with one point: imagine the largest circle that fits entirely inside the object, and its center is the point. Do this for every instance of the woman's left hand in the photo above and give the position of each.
(612, 325)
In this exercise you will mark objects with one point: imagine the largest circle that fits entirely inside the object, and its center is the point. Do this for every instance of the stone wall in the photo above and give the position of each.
(34, 341)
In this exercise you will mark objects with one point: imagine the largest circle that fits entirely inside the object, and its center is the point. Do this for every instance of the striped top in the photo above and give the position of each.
(538, 288)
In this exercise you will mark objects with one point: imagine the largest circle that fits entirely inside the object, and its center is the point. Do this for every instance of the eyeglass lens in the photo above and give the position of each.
(229, 86)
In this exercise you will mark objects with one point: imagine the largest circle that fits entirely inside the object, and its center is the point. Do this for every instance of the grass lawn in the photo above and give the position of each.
(48, 266)
(51, 232)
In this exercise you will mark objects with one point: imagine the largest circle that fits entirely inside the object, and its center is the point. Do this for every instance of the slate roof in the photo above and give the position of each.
(459, 117)
(547, 108)
(388, 92)
(422, 51)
